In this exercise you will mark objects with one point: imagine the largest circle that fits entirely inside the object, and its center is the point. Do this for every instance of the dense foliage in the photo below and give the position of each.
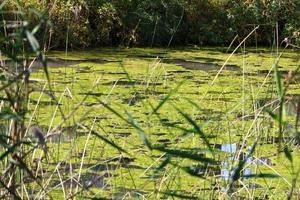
(88, 23)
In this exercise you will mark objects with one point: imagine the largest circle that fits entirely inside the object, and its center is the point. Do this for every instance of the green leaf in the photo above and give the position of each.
(33, 42)
(155, 110)
(139, 130)
(196, 128)
(196, 171)
(36, 29)
(8, 114)
(193, 103)
(131, 122)
(15, 79)
(238, 169)
(12, 149)
(97, 134)
(287, 153)
(164, 163)
(274, 116)
(6, 153)
(2, 77)
(109, 142)
(42, 58)
(279, 83)
(189, 154)
(262, 175)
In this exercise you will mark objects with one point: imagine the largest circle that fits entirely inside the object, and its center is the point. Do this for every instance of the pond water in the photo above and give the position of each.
(55, 62)
(238, 153)
(199, 65)
(110, 102)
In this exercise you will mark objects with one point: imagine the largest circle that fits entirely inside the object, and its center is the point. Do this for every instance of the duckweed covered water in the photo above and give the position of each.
(132, 82)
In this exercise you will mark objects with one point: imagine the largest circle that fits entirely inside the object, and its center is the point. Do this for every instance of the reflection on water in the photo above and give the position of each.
(226, 165)
(229, 148)
(236, 153)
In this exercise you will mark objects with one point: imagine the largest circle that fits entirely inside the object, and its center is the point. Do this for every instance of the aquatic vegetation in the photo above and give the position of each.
(115, 135)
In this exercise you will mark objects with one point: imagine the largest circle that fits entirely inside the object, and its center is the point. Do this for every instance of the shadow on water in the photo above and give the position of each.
(179, 72)
(98, 174)
(125, 193)
(87, 180)
(146, 55)
(133, 100)
(207, 60)
(57, 63)
(165, 142)
(121, 134)
(126, 82)
(107, 165)
(84, 70)
(199, 65)
(96, 94)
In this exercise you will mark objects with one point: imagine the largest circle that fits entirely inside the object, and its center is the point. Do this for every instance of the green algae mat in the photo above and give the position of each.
(182, 123)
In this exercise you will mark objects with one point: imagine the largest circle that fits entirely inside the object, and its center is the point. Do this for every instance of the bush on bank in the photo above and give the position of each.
(90, 23)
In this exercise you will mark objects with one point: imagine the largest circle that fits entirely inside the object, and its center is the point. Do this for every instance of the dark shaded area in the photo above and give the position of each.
(199, 66)
(125, 82)
(55, 63)
(87, 180)
(96, 94)
(162, 23)
(124, 193)
(292, 103)
(131, 101)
